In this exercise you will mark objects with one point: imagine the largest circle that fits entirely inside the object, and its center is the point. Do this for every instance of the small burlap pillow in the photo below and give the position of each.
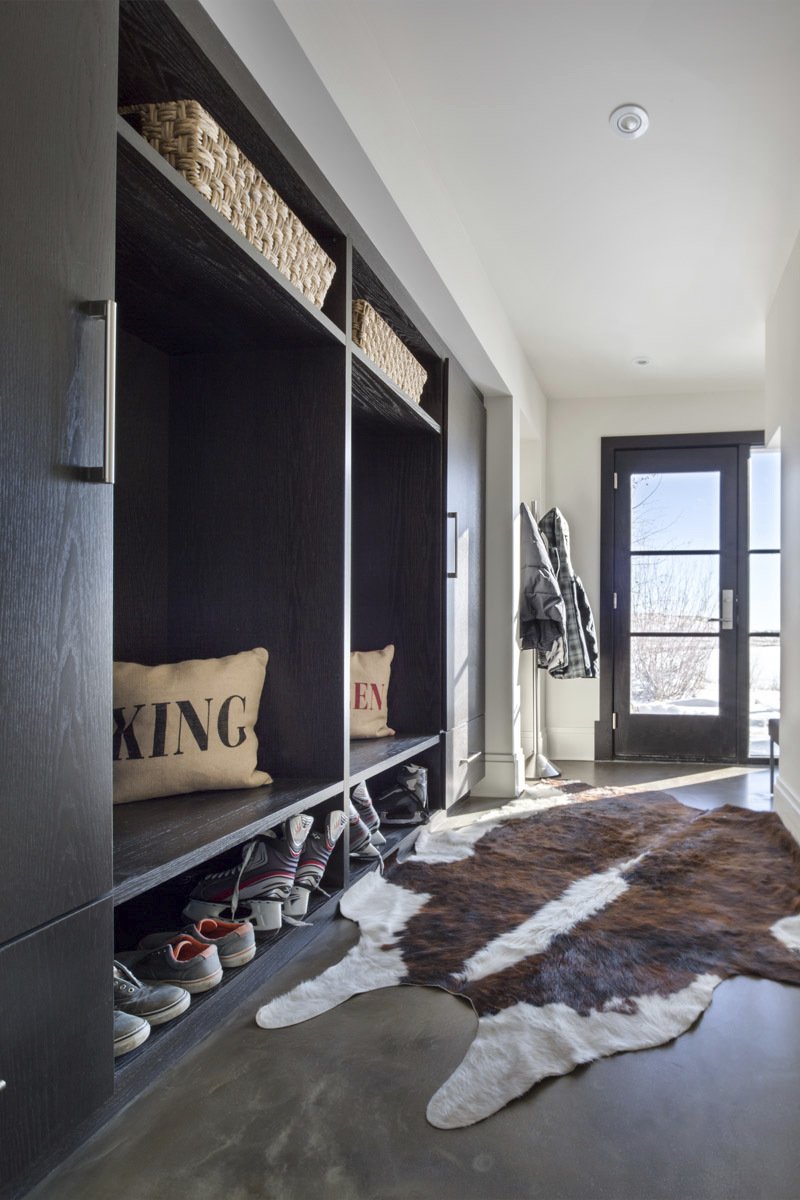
(187, 726)
(369, 687)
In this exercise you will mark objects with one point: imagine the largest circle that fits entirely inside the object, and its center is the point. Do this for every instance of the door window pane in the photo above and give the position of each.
(765, 593)
(675, 675)
(765, 500)
(765, 691)
(678, 510)
(674, 593)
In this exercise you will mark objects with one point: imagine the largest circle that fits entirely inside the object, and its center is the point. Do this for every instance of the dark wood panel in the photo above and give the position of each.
(186, 279)
(370, 756)
(465, 441)
(57, 76)
(158, 839)
(257, 509)
(396, 568)
(141, 496)
(377, 399)
(55, 1035)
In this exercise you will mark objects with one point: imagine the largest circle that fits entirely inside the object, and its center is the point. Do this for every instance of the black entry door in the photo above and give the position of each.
(675, 578)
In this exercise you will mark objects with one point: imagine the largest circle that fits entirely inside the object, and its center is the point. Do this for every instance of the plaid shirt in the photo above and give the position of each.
(574, 656)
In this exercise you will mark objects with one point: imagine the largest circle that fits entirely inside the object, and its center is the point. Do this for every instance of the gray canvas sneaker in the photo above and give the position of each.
(129, 1032)
(156, 1003)
(185, 961)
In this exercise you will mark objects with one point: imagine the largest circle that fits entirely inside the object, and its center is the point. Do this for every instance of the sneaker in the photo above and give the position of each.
(360, 842)
(185, 961)
(157, 1004)
(313, 861)
(129, 1032)
(264, 877)
(235, 940)
(366, 810)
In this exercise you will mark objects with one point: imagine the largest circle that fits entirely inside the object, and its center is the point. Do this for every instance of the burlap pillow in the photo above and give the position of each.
(369, 687)
(187, 726)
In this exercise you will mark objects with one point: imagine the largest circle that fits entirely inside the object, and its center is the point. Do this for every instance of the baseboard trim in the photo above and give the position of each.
(786, 803)
(570, 741)
(505, 774)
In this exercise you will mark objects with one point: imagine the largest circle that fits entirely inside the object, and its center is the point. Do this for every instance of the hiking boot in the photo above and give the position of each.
(193, 965)
(264, 878)
(156, 1003)
(129, 1032)
(235, 940)
(366, 810)
(313, 861)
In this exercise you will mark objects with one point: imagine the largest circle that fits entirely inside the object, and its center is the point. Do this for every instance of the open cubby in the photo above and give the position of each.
(247, 430)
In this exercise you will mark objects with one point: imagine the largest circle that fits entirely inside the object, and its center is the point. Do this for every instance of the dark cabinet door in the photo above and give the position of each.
(465, 432)
(58, 88)
(56, 1061)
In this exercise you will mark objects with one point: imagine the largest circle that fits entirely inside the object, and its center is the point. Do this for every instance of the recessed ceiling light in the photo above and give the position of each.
(642, 361)
(629, 121)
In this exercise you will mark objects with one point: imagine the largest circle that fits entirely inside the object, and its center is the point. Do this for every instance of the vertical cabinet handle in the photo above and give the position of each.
(453, 574)
(106, 310)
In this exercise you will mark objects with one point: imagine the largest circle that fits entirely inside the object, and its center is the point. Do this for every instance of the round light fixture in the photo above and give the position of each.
(629, 121)
(642, 361)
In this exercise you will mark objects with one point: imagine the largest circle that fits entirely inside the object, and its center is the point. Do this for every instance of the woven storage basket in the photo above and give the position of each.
(381, 344)
(192, 142)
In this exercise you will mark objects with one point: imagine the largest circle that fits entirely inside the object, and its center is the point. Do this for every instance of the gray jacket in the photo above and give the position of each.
(542, 619)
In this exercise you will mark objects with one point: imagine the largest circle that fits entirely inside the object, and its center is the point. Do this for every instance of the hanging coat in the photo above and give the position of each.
(542, 620)
(575, 656)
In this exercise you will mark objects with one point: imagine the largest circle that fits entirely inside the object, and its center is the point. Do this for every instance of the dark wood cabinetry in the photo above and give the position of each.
(464, 684)
(273, 488)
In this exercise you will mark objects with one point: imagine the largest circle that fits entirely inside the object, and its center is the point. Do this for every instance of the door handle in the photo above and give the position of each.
(106, 310)
(725, 621)
(453, 516)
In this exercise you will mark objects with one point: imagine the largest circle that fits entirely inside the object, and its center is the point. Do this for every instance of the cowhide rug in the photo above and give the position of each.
(577, 923)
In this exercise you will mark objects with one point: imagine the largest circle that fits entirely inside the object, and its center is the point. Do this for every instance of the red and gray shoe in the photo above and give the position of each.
(184, 961)
(235, 940)
(260, 883)
(366, 810)
(313, 861)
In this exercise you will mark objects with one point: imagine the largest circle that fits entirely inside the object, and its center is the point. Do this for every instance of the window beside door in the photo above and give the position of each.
(764, 550)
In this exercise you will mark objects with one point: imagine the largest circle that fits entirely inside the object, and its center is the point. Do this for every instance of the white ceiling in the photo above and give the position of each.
(599, 250)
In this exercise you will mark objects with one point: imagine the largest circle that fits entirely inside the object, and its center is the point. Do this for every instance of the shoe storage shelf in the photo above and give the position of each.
(273, 488)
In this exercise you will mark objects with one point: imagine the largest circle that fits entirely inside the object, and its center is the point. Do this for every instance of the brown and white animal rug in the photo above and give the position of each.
(577, 923)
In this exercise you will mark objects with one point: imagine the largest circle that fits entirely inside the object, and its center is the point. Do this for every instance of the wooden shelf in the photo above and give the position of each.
(377, 399)
(187, 280)
(155, 840)
(168, 1042)
(370, 756)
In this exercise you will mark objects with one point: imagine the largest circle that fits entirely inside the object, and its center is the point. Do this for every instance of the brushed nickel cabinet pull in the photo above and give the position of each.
(106, 310)
(453, 516)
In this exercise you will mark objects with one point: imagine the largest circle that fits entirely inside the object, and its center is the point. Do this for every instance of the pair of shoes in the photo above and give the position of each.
(184, 960)
(365, 825)
(139, 1006)
(235, 941)
(278, 871)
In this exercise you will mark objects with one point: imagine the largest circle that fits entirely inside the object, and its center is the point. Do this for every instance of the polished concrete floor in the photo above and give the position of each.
(335, 1109)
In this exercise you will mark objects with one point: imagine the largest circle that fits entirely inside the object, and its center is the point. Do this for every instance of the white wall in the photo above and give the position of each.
(574, 431)
(783, 413)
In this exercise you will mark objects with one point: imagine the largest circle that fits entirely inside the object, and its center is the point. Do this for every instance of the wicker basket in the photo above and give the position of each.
(192, 142)
(381, 344)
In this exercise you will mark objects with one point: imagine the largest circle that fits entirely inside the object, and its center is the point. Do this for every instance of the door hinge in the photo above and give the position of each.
(613, 599)
(613, 720)
(616, 481)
